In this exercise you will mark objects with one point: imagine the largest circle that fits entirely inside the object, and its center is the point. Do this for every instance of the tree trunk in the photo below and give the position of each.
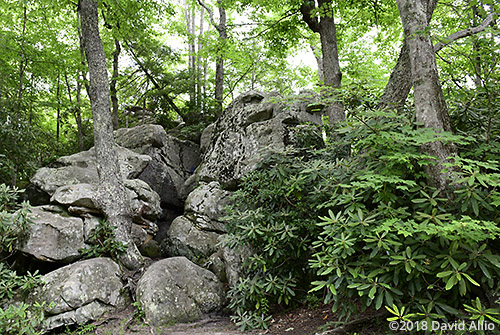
(76, 109)
(219, 62)
(190, 30)
(430, 106)
(58, 98)
(219, 66)
(325, 26)
(199, 62)
(112, 196)
(399, 85)
(112, 86)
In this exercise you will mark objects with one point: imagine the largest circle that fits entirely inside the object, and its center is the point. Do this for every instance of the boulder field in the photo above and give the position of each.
(178, 191)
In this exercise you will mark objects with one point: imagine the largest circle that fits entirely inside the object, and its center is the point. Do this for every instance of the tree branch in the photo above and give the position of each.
(153, 80)
(312, 21)
(239, 79)
(269, 26)
(210, 14)
(464, 33)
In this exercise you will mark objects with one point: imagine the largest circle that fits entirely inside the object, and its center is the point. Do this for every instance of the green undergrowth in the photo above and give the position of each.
(366, 230)
(17, 314)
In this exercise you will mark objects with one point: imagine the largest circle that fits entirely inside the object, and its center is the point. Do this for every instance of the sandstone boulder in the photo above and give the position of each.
(81, 292)
(54, 236)
(81, 168)
(177, 290)
(205, 206)
(173, 160)
(185, 239)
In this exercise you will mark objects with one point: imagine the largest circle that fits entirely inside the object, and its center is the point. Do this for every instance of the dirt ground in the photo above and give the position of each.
(301, 321)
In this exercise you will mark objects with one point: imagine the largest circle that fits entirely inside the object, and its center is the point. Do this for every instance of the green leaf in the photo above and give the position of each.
(451, 282)
(372, 292)
(444, 274)
(470, 279)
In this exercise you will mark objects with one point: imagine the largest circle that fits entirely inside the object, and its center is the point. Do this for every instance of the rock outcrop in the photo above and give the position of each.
(172, 160)
(66, 191)
(253, 123)
(177, 290)
(81, 292)
(169, 186)
(249, 128)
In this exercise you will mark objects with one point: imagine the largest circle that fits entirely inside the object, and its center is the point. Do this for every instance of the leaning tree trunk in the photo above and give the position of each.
(430, 106)
(112, 86)
(112, 196)
(325, 26)
(399, 85)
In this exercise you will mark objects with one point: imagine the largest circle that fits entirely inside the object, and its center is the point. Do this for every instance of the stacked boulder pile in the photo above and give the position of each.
(178, 192)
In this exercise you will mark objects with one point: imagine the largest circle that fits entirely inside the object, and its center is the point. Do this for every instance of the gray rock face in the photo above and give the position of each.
(195, 234)
(253, 123)
(81, 292)
(233, 260)
(80, 195)
(72, 183)
(173, 160)
(142, 137)
(53, 236)
(176, 290)
(205, 205)
(81, 168)
(185, 239)
(206, 137)
(145, 202)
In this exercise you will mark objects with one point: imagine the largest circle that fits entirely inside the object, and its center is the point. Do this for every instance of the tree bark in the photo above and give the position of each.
(325, 26)
(430, 106)
(199, 62)
(58, 98)
(219, 62)
(112, 86)
(399, 85)
(219, 66)
(112, 196)
(76, 109)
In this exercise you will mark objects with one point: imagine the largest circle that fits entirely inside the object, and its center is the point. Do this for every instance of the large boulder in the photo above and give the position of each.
(177, 290)
(185, 239)
(81, 292)
(195, 234)
(81, 168)
(141, 138)
(54, 236)
(253, 123)
(80, 195)
(205, 206)
(72, 182)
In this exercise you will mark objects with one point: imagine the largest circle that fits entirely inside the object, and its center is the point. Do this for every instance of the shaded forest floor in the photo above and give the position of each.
(301, 321)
